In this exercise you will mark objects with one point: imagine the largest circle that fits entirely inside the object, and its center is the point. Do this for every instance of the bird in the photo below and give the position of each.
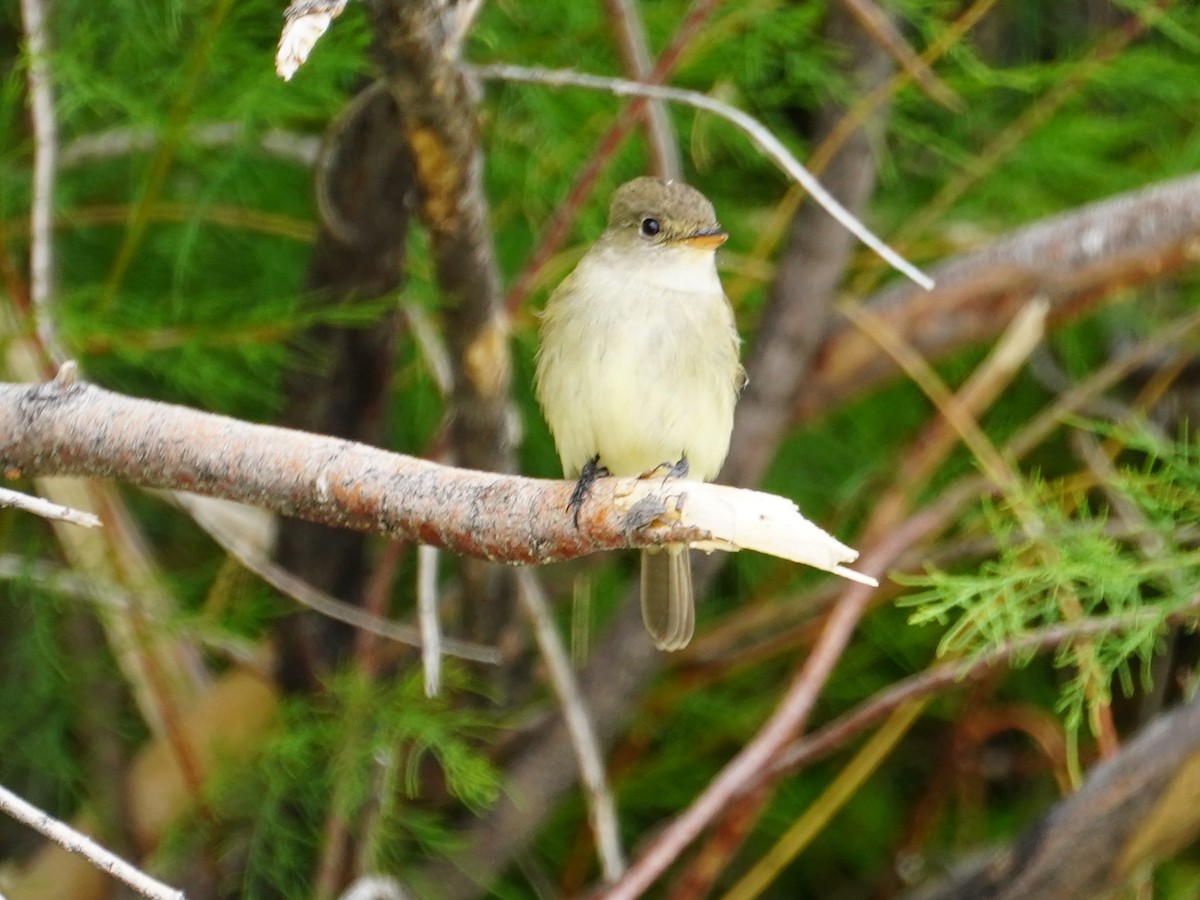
(638, 367)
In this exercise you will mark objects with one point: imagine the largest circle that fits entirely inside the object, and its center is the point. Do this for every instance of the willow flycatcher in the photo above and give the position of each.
(637, 366)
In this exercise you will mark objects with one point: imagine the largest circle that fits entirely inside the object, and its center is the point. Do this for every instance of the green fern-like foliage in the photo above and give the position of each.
(363, 755)
(181, 254)
(1081, 564)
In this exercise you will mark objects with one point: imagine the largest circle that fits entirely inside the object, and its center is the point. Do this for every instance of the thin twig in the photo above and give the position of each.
(46, 509)
(1044, 423)
(835, 796)
(291, 146)
(45, 133)
(929, 449)
(883, 31)
(305, 22)
(75, 842)
(793, 710)
(1006, 477)
(1013, 136)
(427, 618)
(66, 582)
(770, 145)
(955, 412)
(601, 808)
(304, 593)
(564, 214)
(867, 105)
(828, 738)
(635, 53)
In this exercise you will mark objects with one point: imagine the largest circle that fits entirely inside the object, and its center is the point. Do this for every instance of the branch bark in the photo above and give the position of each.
(417, 43)
(80, 429)
(1136, 808)
(1076, 261)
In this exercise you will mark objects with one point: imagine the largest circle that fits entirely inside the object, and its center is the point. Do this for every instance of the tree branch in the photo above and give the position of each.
(81, 429)
(767, 143)
(75, 842)
(1135, 808)
(1075, 260)
(45, 165)
(417, 44)
(47, 509)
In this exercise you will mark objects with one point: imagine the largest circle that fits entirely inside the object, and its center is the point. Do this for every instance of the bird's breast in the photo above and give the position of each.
(641, 370)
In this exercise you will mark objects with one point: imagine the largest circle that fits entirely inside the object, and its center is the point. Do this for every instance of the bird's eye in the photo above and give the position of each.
(650, 227)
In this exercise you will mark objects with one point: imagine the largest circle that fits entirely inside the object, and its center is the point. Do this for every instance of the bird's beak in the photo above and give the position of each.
(706, 240)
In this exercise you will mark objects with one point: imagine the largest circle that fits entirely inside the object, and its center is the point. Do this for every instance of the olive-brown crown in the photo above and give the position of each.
(661, 211)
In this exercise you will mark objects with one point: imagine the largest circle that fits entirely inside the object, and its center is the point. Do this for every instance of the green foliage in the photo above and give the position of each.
(207, 309)
(1077, 566)
(362, 753)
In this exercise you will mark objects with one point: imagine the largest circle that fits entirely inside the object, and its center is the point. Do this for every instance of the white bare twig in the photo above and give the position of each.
(70, 839)
(291, 146)
(755, 130)
(427, 618)
(303, 592)
(46, 509)
(601, 808)
(431, 346)
(306, 21)
(374, 887)
(45, 135)
(741, 519)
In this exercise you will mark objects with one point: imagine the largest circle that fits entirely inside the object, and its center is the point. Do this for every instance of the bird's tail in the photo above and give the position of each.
(667, 607)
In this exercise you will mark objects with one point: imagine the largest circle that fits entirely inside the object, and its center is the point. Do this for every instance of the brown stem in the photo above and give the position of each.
(417, 43)
(365, 196)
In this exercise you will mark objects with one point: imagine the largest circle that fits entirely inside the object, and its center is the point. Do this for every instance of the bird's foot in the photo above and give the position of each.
(672, 470)
(591, 471)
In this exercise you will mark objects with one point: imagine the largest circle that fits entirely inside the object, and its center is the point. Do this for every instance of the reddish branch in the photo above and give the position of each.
(84, 430)
(837, 734)
(749, 766)
(794, 322)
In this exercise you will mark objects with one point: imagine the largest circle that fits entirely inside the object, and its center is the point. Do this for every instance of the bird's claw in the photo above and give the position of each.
(674, 470)
(591, 471)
